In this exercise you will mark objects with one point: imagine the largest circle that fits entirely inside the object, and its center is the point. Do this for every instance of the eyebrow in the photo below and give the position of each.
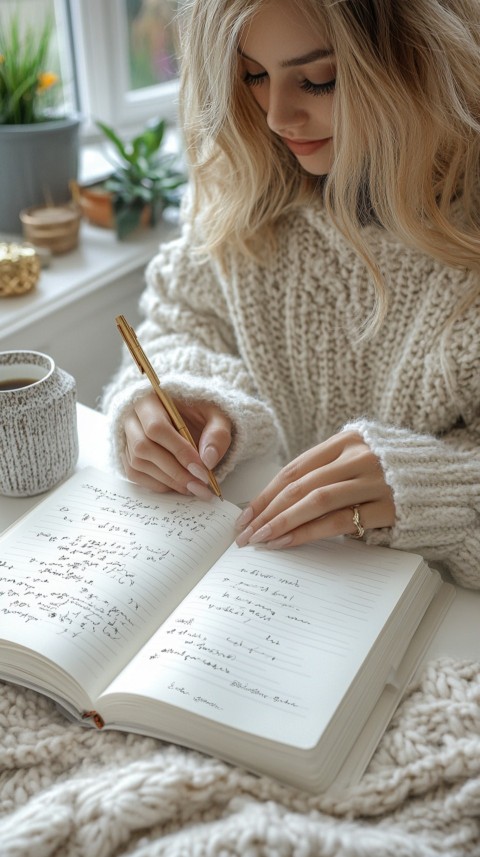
(312, 56)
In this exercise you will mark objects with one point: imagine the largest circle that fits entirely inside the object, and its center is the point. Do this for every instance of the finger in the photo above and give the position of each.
(152, 477)
(338, 523)
(316, 504)
(142, 478)
(147, 456)
(356, 465)
(296, 508)
(341, 457)
(158, 427)
(215, 438)
(144, 456)
(316, 494)
(146, 472)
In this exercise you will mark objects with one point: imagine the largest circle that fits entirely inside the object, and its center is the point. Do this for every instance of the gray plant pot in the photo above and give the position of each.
(37, 163)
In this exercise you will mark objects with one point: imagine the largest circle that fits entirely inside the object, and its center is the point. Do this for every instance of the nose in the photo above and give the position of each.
(284, 114)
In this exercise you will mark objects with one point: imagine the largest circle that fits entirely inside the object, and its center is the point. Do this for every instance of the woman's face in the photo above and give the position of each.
(291, 74)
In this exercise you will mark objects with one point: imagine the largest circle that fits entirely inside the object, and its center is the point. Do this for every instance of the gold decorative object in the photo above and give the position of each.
(52, 226)
(19, 269)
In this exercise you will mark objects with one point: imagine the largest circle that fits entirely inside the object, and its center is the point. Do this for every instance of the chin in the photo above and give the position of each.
(315, 169)
(318, 164)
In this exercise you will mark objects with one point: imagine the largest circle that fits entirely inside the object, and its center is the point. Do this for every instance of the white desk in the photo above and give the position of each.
(459, 634)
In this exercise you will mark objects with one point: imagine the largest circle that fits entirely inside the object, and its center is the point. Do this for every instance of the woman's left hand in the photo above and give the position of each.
(314, 496)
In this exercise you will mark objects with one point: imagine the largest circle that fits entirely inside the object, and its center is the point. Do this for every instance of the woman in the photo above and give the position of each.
(323, 299)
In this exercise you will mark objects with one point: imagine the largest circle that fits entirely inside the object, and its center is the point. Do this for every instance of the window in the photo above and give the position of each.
(125, 58)
(33, 14)
(151, 42)
(116, 58)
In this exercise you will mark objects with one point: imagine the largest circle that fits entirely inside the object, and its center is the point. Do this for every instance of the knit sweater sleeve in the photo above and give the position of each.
(189, 337)
(436, 489)
(432, 462)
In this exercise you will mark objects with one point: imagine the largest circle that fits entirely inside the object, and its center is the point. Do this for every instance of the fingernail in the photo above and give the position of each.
(244, 537)
(261, 535)
(199, 472)
(244, 518)
(210, 457)
(282, 542)
(199, 491)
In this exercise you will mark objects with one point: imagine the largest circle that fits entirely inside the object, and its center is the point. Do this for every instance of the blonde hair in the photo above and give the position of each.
(407, 83)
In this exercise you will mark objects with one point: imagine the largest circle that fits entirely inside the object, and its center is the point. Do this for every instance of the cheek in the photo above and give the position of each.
(323, 111)
(330, 110)
(260, 95)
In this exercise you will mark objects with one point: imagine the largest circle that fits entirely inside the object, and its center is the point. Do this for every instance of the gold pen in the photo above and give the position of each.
(147, 369)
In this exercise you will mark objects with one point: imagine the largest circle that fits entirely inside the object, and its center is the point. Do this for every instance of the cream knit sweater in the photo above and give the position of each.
(274, 347)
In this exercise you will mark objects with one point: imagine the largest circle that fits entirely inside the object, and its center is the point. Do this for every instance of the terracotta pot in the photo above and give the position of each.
(96, 205)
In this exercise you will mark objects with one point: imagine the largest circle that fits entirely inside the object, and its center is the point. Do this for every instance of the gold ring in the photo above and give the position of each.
(357, 523)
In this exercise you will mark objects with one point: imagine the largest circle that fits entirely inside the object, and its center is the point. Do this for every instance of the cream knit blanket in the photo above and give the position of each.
(66, 791)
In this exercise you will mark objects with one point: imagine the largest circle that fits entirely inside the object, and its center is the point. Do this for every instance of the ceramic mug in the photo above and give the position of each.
(38, 423)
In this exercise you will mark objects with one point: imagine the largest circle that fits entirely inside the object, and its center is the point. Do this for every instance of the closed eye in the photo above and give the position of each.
(254, 79)
(318, 88)
(307, 85)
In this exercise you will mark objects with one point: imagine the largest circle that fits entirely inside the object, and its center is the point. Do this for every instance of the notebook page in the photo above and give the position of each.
(87, 577)
(269, 641)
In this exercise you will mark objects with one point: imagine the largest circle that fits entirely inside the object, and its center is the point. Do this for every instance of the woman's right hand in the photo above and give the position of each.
(158, 457)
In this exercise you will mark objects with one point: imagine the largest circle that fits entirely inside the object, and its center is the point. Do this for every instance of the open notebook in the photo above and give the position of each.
(137, 611)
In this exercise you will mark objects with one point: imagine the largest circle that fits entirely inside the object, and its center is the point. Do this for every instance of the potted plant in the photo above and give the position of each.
(38, 143)
(143, 182)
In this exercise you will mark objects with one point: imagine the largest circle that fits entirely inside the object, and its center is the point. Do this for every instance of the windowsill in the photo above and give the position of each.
(99, 259)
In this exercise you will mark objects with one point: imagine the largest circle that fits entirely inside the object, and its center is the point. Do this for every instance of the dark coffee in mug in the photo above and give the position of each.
(16, 383)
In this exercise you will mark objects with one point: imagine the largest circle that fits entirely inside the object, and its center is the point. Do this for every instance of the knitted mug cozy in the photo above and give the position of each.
(38, 427)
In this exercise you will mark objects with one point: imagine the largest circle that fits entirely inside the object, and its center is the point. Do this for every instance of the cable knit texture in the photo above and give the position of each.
(67, 791)
(274, 346)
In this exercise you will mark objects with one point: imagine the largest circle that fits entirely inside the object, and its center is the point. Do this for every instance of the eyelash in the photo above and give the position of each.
(306, 85)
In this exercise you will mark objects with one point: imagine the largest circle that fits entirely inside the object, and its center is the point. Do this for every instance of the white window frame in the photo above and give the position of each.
(100, 41)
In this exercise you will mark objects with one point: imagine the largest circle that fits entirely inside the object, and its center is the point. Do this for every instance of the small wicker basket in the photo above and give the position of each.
(52, 226)
(19, 269)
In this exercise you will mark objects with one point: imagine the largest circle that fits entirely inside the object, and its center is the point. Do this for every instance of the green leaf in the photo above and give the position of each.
(145, 175)
(24, 53)
(112, 136)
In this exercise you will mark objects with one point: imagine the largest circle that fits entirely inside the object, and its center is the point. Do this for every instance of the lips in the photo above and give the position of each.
(305, 147)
